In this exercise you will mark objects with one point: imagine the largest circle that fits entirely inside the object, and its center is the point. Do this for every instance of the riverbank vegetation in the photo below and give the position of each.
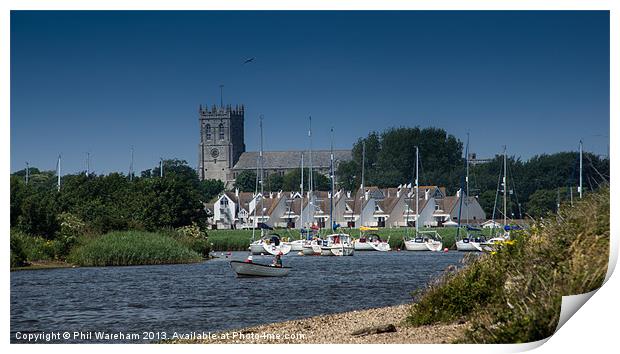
(47, 224)
(132, 248)
(514, 295)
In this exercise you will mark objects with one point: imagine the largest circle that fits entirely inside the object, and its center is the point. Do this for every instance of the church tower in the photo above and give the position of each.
(221, 141)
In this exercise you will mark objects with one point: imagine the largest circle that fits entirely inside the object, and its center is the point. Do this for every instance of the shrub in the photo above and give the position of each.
(18, 256)
(132, 248)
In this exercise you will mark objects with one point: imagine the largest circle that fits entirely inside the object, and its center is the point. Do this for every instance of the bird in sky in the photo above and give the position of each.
(249, 60)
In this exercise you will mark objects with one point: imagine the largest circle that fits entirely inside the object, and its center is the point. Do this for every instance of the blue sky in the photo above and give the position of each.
(101, 82)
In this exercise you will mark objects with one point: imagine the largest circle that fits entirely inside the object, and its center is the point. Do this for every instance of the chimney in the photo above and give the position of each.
(458, 193)
(237, 192)
(398, 193)
(427, 194)
(349, 194)
(366, 195)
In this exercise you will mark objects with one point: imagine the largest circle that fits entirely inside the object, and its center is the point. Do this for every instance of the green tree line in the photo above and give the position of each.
(535, 186)
(111, 202)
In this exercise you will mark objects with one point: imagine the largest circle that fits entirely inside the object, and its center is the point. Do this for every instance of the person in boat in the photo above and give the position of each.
(277, 261)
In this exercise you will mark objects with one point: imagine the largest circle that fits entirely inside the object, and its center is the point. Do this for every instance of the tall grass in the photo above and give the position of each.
(131, 248)
(238, 240)
(514, 295)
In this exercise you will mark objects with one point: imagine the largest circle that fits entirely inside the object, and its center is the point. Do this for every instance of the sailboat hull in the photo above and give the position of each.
(363, 246)
(297, 245)
(264, 248)
(312, 250)
(337, 250)
(468, 246)
(423, 246)
(381, 246)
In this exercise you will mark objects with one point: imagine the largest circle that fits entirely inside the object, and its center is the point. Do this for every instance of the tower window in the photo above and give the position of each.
(221, 131)
(208, 131)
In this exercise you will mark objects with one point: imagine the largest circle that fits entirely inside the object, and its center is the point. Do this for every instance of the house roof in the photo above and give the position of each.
(387, 204)
(290, 159)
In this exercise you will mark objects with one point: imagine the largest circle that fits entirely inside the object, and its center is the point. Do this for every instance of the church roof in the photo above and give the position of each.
(290, 159)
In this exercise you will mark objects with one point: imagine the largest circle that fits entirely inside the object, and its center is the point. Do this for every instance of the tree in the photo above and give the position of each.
(273, 182)
(390, 158)
(211, 188)
(542, 202)
(246, 181)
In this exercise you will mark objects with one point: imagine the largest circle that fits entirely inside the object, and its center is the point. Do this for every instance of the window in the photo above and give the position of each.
(208, 132)
(221, 131)
(224, 202)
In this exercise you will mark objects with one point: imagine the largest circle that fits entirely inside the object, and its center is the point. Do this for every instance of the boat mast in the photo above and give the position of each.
(331, 167)
(301, 202)
(310, 181)
(87, 164)
(362, 186)
(27, 172)
(363, 161)
(467, 183)
(260, 156)
(58, 172)
(417, 190)
(580, 169)
(505, 186)
(131, 166)
(254, 221)
(458, 229)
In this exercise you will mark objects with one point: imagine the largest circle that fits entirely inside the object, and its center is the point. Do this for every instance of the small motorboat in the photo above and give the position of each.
(250, 269)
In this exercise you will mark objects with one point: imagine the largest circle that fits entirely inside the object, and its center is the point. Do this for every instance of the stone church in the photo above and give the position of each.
(222, 155)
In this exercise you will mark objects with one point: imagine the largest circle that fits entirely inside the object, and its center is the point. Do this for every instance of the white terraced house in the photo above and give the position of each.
(373, 207)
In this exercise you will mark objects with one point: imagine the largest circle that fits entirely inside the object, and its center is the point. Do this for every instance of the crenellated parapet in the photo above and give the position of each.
(226, 111)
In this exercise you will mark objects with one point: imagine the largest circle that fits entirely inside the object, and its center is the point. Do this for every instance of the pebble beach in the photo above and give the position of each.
(355, 327)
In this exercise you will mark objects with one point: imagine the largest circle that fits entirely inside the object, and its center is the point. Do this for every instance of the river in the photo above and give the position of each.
(207, 297)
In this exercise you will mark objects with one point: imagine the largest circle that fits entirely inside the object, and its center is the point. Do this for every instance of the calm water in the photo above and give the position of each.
(208, 297)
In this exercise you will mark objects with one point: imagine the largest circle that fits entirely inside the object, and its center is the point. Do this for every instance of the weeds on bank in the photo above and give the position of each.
(132, 248)
(514, 295)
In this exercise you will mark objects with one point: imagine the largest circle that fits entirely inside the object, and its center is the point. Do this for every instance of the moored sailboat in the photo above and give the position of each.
(370, 242)
(423, 241)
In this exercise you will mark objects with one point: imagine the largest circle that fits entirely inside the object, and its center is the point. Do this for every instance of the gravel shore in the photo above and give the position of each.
(338, 329)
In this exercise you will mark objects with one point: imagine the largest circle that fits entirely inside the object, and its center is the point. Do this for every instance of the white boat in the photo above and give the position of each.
(337, 245)
(248, 269)
(270, 244)
(370, 242)
(470, 244)
(491, 244)
(296, 246)
(425, 241)
(312, 247)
